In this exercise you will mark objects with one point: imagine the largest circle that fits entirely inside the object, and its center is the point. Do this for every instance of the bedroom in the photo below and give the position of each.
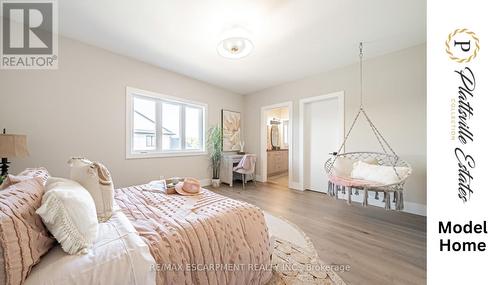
(139, 88)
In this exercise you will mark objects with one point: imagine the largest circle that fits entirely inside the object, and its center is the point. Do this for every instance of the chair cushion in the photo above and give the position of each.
(378, 173)
(343, 166)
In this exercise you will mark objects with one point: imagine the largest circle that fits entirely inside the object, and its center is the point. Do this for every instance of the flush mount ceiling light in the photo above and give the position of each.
(234, 47)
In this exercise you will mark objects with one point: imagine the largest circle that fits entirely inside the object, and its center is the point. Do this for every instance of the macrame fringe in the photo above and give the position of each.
(365, 197)
(399, 200)
(62, 227)
(333, 190)
(387, 200)
(330, 189)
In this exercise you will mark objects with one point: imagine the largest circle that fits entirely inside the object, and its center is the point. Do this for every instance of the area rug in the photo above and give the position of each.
(294, 259)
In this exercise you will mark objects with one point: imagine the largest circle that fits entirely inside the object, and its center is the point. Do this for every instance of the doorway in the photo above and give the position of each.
(276, 143)
(322, 131)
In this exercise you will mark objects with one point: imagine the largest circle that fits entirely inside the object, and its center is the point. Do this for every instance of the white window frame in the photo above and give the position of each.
(160, 98)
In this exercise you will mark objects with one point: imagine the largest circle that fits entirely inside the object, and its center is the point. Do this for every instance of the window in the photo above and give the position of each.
(160, 125)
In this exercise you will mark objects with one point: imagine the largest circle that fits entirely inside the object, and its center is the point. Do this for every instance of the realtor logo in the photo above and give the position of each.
(29, 35)
(462, 45)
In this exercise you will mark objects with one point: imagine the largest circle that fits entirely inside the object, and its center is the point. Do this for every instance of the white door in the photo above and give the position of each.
(321, 136)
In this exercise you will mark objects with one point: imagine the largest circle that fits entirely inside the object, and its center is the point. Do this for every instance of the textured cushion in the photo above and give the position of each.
(23, 237)
(96, 178)
(13, 179)
(69, 213)
(26, 174)
(378, 173)
(343, 166)
(41, 172)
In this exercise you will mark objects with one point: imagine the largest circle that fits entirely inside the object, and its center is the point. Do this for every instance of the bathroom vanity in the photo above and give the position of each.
(277, 161)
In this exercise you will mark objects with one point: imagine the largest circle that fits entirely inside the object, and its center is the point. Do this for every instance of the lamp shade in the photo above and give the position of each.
(13, 145)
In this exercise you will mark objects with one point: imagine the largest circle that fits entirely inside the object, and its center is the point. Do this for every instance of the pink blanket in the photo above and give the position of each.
(203, 239)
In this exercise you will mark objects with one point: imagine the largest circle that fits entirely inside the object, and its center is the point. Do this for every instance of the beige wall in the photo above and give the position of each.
(79, 109)
(395, 99)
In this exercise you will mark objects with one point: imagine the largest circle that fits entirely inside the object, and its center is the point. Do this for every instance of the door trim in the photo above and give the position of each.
(263, 140)
(335, 95)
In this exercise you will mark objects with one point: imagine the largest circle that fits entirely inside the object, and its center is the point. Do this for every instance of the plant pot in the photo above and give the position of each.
(216, 183)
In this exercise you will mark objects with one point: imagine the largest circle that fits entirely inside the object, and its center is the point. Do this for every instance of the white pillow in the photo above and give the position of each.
(96, 178)
(343, 166)
(378, 173)
(68, 212)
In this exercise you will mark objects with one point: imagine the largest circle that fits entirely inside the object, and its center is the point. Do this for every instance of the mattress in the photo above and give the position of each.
(119, 256)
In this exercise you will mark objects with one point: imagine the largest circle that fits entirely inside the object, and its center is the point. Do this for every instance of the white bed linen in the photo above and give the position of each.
(119, 256)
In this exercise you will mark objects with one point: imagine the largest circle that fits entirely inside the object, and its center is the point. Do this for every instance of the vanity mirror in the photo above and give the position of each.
(275, 137)
(275, 134)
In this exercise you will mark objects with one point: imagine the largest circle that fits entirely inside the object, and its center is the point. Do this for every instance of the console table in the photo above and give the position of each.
(226, 167)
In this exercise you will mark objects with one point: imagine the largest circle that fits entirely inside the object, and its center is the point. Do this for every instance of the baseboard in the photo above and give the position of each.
(295, 186)
(409, 207)
(415, 208)
(259, 178)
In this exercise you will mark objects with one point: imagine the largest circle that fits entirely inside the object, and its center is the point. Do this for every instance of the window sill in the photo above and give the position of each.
(164, 154)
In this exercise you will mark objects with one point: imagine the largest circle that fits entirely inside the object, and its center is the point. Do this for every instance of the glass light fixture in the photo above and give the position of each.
(234, 47)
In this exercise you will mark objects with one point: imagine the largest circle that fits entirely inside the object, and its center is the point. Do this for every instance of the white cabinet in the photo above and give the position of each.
(226, 168)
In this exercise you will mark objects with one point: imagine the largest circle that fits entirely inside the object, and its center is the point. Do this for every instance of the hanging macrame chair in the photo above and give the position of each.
(386, 158)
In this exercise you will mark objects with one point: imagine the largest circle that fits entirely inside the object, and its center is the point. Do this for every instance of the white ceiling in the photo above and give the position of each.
(293, 39)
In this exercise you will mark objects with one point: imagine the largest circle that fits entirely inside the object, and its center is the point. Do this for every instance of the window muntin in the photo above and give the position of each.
(144, 124)
(164, 126)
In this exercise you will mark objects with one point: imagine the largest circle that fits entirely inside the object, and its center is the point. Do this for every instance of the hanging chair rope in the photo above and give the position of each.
(387, 158)
(361, 75)
(380, 138)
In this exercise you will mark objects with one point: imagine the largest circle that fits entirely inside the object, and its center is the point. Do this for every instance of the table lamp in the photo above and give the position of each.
(11, 146)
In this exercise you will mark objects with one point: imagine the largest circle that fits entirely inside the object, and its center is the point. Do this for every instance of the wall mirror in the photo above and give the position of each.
(275, 137)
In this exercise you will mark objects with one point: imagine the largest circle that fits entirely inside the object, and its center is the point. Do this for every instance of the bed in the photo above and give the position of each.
(154, 238)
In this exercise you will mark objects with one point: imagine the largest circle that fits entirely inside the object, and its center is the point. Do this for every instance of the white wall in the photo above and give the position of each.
(395, 98)
(79, 109)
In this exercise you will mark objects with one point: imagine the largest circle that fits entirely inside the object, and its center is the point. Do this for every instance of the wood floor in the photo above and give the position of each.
(280, 179)
(381, 247)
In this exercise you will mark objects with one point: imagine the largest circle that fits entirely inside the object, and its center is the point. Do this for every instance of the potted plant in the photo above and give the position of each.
(214, 147)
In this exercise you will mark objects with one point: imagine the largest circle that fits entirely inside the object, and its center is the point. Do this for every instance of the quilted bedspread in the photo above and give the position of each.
(202, 239)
